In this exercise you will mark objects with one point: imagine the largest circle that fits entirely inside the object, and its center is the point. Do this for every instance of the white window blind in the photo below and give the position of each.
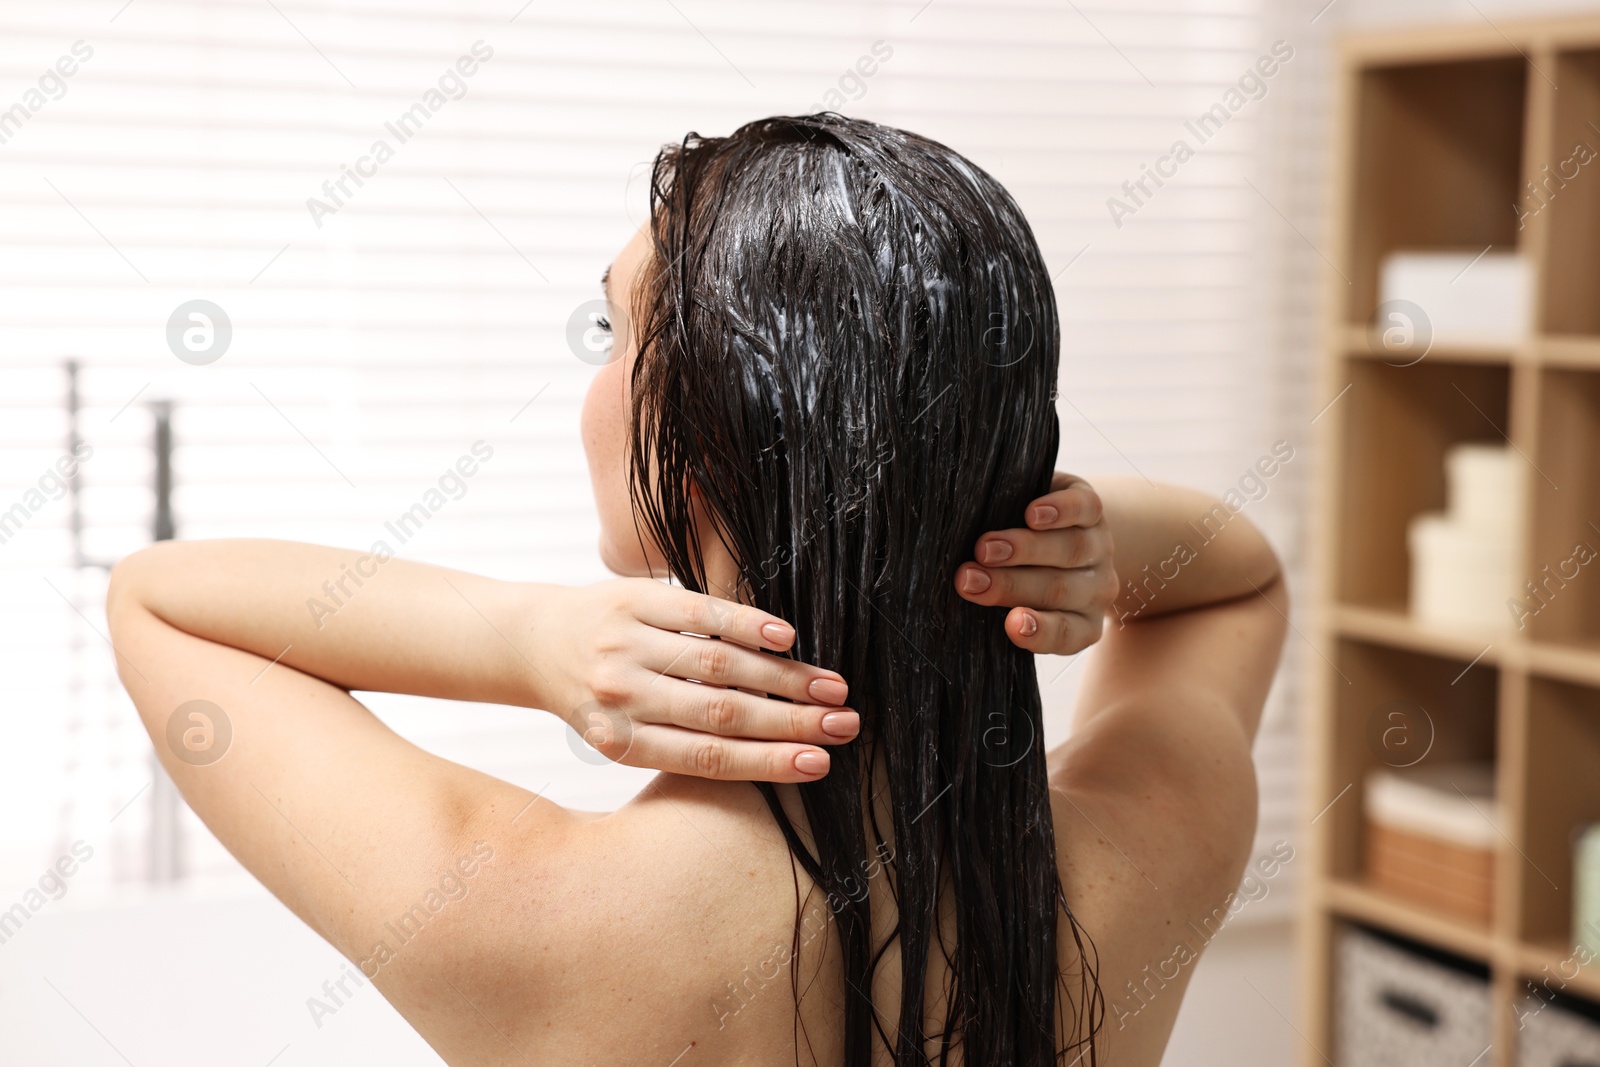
(378, 334)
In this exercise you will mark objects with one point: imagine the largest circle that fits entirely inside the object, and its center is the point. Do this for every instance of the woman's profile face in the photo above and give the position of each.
(605, 423)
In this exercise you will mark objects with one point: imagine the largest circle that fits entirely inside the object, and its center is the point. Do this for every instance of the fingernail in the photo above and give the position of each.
(974, 581)
(1027, 625)
(828, 691)
(841, 724)
(779, 633)
(811, 762)
(1044, 514)
(996, 551)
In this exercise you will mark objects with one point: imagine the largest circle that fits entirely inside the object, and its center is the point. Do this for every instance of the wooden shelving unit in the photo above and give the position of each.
(1438, 133)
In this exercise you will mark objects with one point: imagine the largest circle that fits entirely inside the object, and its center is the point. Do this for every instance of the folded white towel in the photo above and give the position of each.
(1453, 802)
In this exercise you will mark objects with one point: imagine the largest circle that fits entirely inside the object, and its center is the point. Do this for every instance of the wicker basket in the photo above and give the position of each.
(1430, 836)
(1435, 873)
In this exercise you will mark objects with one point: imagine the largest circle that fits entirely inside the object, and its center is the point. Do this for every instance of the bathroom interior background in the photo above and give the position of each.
(380, 329)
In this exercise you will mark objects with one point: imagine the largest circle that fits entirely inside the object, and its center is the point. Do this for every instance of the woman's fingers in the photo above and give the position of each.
(703, 755)
(653, 692)
(1070, 502)
(725, 663)
(1073, 546)
(1057, 574)
(711, 709)
(1081, 589)
(1054, 633)
(680, 611)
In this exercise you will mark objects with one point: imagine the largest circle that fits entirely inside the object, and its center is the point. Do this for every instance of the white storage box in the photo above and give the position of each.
(1482, 302)
(1552, 1036)
(1395, 1007)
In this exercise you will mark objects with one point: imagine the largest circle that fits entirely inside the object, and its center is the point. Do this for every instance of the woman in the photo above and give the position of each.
(837, 352)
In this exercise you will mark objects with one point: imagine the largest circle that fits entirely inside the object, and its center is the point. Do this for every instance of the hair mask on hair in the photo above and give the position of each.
(849, 347)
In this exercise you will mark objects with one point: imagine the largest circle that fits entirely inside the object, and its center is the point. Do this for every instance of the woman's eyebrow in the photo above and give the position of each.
(605, 283)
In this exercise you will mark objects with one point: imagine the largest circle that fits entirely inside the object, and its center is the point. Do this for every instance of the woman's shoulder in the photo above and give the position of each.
(683, 856)
(668, 921)
(1156, 804)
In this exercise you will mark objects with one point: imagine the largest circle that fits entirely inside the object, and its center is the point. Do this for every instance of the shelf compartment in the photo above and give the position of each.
(1398, 422)
(1562, 794)
(1563, 606)
(1438, 161)
(1565, 192)
(1444, 712)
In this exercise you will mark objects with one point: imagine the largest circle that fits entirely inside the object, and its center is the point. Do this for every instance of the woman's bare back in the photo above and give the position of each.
(663, 933)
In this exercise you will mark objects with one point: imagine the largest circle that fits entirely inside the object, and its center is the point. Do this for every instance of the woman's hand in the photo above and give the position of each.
(1056, 576)
(621, 669)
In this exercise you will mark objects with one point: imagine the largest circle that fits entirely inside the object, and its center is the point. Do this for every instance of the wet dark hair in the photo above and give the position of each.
(848, 343)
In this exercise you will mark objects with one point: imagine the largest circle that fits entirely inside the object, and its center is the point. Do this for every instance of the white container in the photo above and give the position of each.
(1465, 560)
(1484, 486)
(1461, 577)
(1469, 300)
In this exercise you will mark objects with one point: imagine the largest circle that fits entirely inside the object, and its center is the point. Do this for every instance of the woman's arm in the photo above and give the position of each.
(344, 616)
(608, 658)
(613, 660)
(1178, 548)
(1201, 611)
(1156, 786)
(1158, 763)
